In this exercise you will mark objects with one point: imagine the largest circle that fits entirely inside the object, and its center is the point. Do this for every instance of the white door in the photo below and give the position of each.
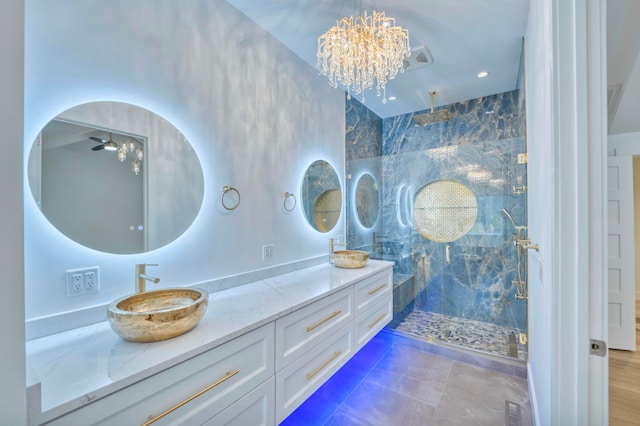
(622, 295)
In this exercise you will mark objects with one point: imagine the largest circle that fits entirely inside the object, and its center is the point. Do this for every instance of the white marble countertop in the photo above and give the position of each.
(78, 366)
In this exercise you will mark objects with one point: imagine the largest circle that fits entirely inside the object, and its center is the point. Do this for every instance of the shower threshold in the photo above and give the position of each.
(466, 333)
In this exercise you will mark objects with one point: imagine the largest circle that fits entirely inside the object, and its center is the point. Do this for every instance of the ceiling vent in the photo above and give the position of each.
(420, 56)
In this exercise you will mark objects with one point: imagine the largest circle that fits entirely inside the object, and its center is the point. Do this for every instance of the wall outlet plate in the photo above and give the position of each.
(267, 251)
(82, 281)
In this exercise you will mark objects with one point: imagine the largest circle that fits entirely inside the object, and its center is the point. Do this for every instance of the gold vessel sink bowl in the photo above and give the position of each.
(350, 259)
(157, 315)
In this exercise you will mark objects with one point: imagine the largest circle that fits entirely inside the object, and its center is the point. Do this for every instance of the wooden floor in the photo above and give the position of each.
(624, 383)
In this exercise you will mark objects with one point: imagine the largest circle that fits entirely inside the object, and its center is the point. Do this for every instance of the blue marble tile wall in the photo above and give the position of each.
(363, 149)
(363, 133)
(478, 147)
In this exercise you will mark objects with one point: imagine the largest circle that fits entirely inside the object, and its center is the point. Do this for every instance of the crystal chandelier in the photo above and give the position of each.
(130, 146)
(361, 52)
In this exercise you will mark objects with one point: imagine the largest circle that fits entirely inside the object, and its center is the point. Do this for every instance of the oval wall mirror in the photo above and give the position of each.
(367, 200)
(444, 210)
(321, 196)
(116, 177)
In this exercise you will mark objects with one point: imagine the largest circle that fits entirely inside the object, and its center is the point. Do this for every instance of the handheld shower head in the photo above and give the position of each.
(520, 230)
(510, 218)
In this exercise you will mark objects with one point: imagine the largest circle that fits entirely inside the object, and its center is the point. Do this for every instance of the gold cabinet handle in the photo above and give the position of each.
(191, 398)
(327, 362)
(316, 325)
(377, 289)
(377, 320)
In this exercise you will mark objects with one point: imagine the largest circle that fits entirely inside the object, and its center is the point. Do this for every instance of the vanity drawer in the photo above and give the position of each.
(257, 408)
(371, 322)
(297, 381)
(228, 372)
(301, 330)
(373, 289)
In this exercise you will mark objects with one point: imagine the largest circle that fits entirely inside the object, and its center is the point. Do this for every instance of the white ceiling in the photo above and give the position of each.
(463, 37)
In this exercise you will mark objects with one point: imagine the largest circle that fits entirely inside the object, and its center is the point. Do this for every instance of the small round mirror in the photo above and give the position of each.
(115, 177)
(367, 200)
(444, 210)
(321, 196)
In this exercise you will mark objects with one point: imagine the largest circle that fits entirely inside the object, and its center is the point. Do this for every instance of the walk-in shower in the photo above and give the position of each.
(452, 218)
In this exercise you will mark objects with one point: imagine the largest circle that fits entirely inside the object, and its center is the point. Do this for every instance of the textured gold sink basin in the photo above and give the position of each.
(350, 259)
(157, 315)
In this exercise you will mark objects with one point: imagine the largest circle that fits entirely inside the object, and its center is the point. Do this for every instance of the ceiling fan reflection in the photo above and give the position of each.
(109, 145)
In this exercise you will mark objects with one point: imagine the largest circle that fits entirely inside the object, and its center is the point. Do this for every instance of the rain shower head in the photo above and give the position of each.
(433, 116)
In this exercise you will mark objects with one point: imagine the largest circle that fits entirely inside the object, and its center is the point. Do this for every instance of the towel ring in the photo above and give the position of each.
(288, 195)
(225, 190)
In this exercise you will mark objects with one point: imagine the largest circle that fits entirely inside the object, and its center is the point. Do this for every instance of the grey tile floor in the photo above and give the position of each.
(396, 381)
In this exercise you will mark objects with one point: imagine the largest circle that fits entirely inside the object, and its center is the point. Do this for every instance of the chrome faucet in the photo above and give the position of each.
(141, 276)
(332, 244)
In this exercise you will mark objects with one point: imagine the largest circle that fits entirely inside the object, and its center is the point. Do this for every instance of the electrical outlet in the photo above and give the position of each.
(267, 252)
(91, 280)
(75, 283)
(82, 281)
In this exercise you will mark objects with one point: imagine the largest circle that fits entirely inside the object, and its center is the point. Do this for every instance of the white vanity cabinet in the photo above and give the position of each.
(369, 323)
(371, 290)
(284, 351)
(257, 408)
(297, 381)
(374, 306)
(206, 384)
(314, 342)
(303, 329)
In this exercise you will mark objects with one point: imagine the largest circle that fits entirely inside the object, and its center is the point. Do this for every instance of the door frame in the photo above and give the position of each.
(580, 252)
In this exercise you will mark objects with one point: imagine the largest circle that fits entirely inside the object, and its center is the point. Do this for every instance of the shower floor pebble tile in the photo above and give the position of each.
(463, 332)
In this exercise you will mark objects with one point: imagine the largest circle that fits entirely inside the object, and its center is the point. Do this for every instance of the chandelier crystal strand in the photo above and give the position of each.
(135, 166)
(122, 152)
(361, 52)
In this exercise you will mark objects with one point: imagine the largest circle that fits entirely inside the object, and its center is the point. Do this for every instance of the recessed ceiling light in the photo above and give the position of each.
(483, 74)
(392, 98)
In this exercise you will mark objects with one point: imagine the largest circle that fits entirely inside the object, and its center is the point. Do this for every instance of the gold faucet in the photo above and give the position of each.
(332, 244)
(141, 276)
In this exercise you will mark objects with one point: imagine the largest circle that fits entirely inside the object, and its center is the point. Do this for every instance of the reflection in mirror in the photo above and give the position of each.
(404, 206)
(115, 177)
(321, 196)
(367, 200)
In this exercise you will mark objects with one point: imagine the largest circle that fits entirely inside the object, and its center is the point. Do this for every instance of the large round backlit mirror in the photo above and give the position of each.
(444, 210)
(116, 177)
(321, 196)
(367, 200)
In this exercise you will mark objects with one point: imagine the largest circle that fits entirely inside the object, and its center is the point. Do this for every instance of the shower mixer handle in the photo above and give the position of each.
(526, 244)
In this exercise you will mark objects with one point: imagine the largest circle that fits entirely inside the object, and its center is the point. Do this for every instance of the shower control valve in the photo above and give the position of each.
(526, 244)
